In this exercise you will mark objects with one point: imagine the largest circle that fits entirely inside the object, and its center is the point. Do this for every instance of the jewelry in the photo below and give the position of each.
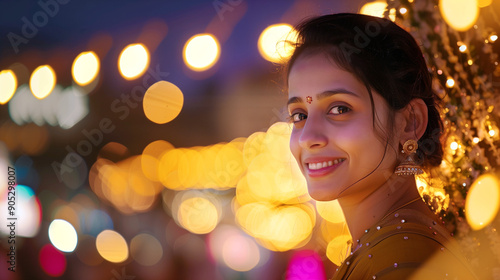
(409, 166)
(309, 99)
(400, 207)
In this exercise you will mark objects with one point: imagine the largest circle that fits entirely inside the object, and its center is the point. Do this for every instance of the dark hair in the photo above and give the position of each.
(385, 58)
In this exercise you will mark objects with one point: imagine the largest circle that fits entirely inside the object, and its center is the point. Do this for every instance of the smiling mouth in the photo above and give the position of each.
(318, 169)
(320, 165)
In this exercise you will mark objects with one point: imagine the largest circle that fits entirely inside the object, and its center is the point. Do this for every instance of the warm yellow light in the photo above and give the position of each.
(338, 249)
(403, 11)
(276, 42)
(459, 14)
(330, 211)
(85, 68)
(163, 102)
(491, 132)
(377, 9)
(112, 246)
(470, 61)
(454, 145)
(201, 52)
(8, 85)
(42, 81)
(198, 215)
(484, 3)
(462, 48)
(475, 140)
(450, 82)
(493, 38)
(482, 202)
(63, 235)
(133, 61)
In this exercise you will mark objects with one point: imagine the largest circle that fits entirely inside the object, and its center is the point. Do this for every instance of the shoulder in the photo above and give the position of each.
(407, 246)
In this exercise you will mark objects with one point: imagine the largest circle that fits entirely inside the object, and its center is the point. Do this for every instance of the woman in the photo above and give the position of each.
(366, 120)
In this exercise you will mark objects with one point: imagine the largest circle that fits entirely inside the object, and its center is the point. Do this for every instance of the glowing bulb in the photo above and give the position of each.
(493, 38)
(459, 14)
(85, 68)
(492, 133)
(8, 85)
(377, 9)
(454, 145)
(450, 82)
(470, 61)
(482, 202)
(42, 81)
(462, 48)
(276, 42)
(201, 52)
(403, 11)
(475, 140)
(63, 235)
(133, 61)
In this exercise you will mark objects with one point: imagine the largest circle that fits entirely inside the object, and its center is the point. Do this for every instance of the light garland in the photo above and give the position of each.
(465, 72)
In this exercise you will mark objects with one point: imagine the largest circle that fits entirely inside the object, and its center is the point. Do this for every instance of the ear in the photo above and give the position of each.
(413, 120)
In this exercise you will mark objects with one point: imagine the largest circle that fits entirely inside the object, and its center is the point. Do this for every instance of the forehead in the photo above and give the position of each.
(315, 73)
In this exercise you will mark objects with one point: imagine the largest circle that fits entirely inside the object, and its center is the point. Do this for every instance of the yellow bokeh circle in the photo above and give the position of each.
(163, 102)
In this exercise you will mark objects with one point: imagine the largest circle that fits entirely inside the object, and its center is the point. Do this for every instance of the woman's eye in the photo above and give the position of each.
(338, 110)
(297, 117)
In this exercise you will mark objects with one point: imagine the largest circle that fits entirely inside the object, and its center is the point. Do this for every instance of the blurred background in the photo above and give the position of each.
(148, 139)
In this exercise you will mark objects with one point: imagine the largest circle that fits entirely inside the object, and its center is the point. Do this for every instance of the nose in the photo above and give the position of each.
(313, 134)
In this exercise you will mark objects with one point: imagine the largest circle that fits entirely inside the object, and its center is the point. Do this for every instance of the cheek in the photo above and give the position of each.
(294, 144)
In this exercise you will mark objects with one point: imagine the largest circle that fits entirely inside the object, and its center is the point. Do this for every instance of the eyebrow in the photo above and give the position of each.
(322, 95)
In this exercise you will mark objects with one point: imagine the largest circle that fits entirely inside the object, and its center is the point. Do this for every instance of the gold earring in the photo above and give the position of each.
(409, 166)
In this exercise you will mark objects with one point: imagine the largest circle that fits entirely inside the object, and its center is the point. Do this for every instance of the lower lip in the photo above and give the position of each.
(322, 171)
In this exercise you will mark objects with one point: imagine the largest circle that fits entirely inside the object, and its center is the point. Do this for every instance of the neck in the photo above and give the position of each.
(363, 213)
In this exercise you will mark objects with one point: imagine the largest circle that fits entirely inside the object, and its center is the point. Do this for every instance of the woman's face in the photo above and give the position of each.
(333, 139)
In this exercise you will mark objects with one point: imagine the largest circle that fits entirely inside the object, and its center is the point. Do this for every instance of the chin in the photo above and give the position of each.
(321, 194)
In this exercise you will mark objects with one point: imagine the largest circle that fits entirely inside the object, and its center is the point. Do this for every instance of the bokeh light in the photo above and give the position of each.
(146, 249)
(112, 246)
(52, 261)
(8, 85)
(459, 14)
(162, 102)
(150, 160)
(133, 61)
(305, 264)
(201, 52)
(42, 81)
(330, 211)
(338, 249)
(197, 212)
(484, 3)
(63, 235)
(240, 252)
(377, 9)
(482, 202)
(28, 210)
(85, 68)
(277, 42)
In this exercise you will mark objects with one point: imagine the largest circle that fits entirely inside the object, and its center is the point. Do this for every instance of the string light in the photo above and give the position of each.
(403, 11)
(493, 38)
(454, 145)
(450, 82)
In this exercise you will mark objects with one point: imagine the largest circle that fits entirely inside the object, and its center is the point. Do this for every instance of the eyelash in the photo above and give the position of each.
(292, 116)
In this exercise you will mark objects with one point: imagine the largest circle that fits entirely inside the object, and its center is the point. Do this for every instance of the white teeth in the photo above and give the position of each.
(319, 165)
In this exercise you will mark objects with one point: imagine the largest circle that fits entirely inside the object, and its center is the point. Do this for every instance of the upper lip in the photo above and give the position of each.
(319, 159)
